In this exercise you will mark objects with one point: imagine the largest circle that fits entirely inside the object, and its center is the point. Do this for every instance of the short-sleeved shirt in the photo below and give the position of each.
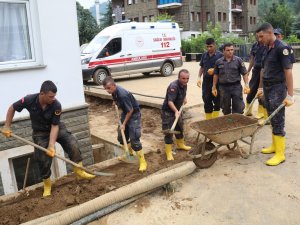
(230, 71)
(125, 100)
(41, 120)
(176, 93)
(257, 51)
(208, 62)
(276, 59)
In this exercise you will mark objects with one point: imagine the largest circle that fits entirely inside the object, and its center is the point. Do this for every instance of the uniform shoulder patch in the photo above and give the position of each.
(243, 64)
(172, 89)
(57, 112)
(285, 52)
(292, 51)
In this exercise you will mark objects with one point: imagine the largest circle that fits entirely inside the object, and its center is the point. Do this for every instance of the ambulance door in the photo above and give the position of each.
(112, 56)
(138, 51)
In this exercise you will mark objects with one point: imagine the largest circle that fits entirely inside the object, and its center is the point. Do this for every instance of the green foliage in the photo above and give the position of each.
(108, 20)
(163, 16)
(280, 15)
(292, 39)
(198, 44)
(87, 25)
(296, 25)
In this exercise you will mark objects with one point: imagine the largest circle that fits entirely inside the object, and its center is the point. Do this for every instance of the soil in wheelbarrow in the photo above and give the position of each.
(223, 123)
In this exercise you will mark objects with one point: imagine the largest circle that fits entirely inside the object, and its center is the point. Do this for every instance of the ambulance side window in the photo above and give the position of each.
(113, 47)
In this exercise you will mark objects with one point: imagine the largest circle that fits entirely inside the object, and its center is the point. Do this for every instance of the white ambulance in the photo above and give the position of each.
(130, 48)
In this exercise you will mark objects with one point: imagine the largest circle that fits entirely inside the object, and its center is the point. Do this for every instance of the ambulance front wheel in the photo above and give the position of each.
(99, 76)
(167, 69)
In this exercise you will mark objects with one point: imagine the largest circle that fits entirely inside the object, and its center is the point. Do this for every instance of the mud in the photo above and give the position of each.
(69, 191)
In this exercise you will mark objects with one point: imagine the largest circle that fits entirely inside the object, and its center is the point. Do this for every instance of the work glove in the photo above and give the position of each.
(289, 100)
(199, 83)
(260, 93)
(6, 131)
(214, 91)
(51, 151)
(246, 89)
(210, 71)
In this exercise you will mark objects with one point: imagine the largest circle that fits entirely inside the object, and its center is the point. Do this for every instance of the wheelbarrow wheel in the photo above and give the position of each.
(205, 161)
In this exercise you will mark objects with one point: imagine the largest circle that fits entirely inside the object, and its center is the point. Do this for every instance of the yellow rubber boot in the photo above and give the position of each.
(47, 187)
(82, 174)
(208, 116)
(130, 149)
(215, 114)
(249, 113)
(168, 149)
(143, 163)
(279, 151)
(271, 148)
(260, 112)
(265, 112)
(180, 145)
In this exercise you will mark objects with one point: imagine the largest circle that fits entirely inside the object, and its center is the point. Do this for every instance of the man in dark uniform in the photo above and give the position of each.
(130, 118)
(280, 36)
(277, 84)
(45, 113)
(256, 54)
(228, 70)
(174, 100)
(208, 60)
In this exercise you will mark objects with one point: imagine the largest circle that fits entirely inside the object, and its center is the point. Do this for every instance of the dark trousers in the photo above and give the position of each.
(254, 84)
(274, 96)
(168, 119)
(132, 131)
(211, 103)
(65, 139)
(232, 98)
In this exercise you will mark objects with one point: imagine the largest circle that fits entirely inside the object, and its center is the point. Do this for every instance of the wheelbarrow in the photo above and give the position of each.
(224, 131)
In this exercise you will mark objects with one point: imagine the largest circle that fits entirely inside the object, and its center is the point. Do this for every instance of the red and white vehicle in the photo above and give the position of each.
(130, 48)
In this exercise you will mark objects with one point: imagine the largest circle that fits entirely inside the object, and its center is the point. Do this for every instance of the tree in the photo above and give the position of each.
(87, 25)
(280, 15)
(163, 16)
(296, 26)
(108, 20)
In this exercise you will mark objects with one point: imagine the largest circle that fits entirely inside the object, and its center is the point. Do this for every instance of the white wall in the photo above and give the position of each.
(60, 48)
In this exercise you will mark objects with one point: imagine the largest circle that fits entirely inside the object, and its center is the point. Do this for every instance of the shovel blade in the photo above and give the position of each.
(127, 158)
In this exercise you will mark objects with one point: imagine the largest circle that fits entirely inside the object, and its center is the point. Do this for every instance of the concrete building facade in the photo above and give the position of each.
(239, 16)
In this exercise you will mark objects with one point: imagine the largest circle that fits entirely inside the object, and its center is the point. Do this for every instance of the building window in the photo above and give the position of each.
(219, 16)
(192, 15)
(145, 18)
(254, 2)
(207, 16)
(224, 17)
(136, 19)
(129, 2)
(198, 17)
(20, 44)
(151, 18)
(250, 2)
(254, 20)
(250, 19)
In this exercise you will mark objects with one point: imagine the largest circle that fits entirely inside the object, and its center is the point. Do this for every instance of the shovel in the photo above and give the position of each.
(62, 158)
(250, 106)
(172, 131)
(127, 158)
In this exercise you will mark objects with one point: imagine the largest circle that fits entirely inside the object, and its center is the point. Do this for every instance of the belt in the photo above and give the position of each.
(272, 82)
(228, 84)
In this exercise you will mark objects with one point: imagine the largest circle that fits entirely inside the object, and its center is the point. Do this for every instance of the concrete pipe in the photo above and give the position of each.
(146, 184)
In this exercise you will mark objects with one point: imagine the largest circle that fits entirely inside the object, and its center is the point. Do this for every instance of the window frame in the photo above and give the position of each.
(36, 60)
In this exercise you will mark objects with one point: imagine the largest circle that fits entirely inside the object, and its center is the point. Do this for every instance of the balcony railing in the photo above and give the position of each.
(236, 8)
(237, 28)
(168, 4)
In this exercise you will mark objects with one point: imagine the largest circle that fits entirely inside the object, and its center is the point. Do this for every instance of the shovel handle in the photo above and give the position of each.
(55, 155)
(251, 104)
(122, 131)
(273, 114)
(176, 119)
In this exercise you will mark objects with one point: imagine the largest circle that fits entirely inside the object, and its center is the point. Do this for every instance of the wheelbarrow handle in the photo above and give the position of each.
(273, 114)
(176, 119)
(250, 106)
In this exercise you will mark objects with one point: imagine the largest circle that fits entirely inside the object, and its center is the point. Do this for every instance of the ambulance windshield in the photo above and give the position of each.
(95, 44)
